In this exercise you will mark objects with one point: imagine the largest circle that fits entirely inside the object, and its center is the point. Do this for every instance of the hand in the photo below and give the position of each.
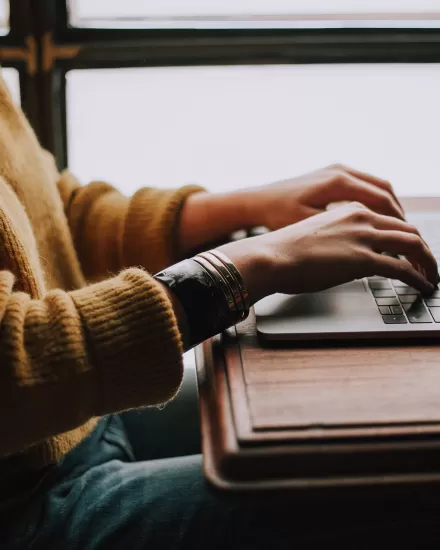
(208, 217)
(332, 248)
(283, 203)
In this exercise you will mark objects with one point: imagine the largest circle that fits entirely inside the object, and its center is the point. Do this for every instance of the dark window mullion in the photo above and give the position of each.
(218, 50)
(56, 106)
(49, 90)
(137, 47)
(21, 37)
(20, 21)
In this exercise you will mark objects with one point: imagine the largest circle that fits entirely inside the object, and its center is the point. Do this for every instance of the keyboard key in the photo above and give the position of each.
(407, 290)
(398, 283)
(408, 299)
(432, 302)
(418, 313)
(376, 278)
(406, 307)
(379, 285)
(384, 293)
(435, 294)
(387, 301)
(385, 310)
(396, 310)
(394, 319)
(435, 312)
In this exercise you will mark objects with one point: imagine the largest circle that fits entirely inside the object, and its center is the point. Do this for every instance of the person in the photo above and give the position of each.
(99, 297)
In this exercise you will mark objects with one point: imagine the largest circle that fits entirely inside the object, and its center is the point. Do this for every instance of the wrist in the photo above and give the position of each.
(244, 206)
(207, 217)
(204, 304)
(254, 262)
(191, 223)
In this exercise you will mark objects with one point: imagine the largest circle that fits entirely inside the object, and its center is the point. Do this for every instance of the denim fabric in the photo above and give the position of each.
(100, 497)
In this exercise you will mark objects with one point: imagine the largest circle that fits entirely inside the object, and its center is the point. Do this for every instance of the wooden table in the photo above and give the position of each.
(319, 418)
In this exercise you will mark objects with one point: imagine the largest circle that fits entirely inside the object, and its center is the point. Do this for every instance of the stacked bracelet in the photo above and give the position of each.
(238, 279)
(210, 290)
(226, 274)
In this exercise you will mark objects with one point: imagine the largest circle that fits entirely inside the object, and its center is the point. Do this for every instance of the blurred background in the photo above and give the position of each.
(229, 93)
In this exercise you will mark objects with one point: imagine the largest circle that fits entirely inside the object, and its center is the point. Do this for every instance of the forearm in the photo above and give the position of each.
(211, 217)
(74, 355)
(112, 232)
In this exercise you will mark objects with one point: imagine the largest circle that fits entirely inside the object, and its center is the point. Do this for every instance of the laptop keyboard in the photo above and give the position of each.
(400, 304)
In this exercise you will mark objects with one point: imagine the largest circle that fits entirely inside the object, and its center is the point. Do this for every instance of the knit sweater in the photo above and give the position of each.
(70, 351)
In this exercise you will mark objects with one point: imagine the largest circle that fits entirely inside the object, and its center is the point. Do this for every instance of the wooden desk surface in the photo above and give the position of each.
(259, 397)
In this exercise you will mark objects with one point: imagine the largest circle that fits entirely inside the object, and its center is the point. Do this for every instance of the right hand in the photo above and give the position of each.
(333, 248)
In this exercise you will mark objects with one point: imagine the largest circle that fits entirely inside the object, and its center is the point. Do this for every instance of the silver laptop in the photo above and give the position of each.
(369, 308)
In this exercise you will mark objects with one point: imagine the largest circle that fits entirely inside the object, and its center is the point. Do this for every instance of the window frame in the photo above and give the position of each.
(19, 50)
(63, 48)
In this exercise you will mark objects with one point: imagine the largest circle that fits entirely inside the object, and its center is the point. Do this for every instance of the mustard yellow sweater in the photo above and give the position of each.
(70, 353)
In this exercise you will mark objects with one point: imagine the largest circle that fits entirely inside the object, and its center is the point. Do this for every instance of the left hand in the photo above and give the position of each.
(290, 201)
(206, 217)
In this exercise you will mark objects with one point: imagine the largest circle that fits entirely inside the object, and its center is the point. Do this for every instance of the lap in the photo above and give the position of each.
(173, 430)
(102, 498)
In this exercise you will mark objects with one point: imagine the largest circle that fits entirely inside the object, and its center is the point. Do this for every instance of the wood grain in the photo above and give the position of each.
(330, 387)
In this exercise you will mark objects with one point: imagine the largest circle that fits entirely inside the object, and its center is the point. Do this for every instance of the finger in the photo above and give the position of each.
(386, 222)
(413, 248)
(393, 268)
(409, 245)
(379, 221)
(379, 182)
(349, 188)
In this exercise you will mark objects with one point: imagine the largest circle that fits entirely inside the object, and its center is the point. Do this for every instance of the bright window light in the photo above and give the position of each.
(259, 13)
(229, 127)
(4, 17)
(12, 79)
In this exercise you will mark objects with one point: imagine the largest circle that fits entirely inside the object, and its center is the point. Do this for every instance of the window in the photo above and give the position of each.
(12, 79)
(4, 17)
(15, 56)
(226, 127)
(256, 14)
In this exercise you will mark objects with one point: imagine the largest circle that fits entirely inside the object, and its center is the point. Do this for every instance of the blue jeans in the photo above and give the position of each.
(102, 497)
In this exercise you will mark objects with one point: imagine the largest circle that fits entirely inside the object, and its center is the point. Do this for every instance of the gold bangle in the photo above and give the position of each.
(220, 281)
(239, 279)
(230, 279)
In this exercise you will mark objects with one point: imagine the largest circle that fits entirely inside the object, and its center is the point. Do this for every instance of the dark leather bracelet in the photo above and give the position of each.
(204, 303)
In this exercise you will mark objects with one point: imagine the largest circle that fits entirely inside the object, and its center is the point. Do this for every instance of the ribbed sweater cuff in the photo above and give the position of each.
(153, 218)
(133, 341)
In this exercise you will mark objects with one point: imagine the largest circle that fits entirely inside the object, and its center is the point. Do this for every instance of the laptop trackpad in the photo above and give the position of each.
(354, 286)
(331, 310)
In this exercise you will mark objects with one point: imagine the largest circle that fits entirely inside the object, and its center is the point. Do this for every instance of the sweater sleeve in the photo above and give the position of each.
(112, 232)
(70, 356)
